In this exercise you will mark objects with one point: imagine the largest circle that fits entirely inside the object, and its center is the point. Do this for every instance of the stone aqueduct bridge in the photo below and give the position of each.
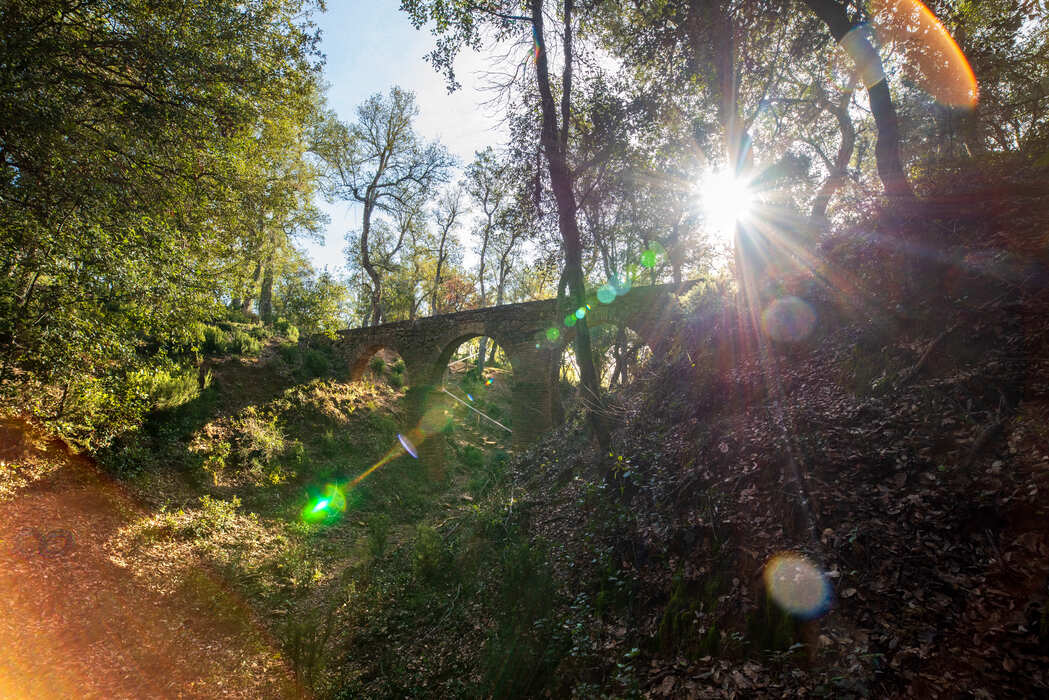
(427, 345)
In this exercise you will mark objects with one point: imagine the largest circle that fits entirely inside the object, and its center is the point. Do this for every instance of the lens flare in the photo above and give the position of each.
(552, 334)
(571, 320)
(797, 585)
(331, 503)
(489, 381)
(648, 259)
(606, 293)
(408, 446)
(788, 320)
(580, 312)
(726, 199)
(930, 53)
(621, 283)
(469, 397)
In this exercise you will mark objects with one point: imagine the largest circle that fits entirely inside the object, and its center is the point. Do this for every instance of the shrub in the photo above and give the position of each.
(215, 515)
(189, 338)
(396, 380)
(316, 363)
(243, 344)
(398, 366)
(377, 364)
(289, 352)
(259, 332)
(172, 388)
(287, 329)
(259, 441)
(428, 559)
(216, 342)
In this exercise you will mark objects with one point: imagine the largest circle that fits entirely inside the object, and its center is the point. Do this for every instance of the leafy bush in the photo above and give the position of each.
(172, 388)
(259, 441)
(215, 515)
(398, 366)
(377, 364)
(316, 363)
(259, 332)
(396, 380)
(216, 341)
(287, 329)
(430, 555)
(243, 344)
(289, 352)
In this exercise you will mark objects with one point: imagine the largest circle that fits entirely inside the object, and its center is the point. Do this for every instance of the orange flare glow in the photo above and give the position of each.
(931, 55)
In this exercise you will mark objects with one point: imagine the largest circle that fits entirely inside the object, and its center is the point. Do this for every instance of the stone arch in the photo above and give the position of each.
(363, 355)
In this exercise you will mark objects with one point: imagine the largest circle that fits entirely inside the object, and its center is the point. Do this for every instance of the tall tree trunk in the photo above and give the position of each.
(555, 142)
(868, 63)
(266, 294)
(366, 262)
(245, 307)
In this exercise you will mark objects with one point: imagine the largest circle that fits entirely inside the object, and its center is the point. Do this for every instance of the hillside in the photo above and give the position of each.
(202, 569)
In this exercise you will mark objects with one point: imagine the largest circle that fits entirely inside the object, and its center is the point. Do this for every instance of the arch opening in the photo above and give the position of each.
(482, 391)
(380, 364)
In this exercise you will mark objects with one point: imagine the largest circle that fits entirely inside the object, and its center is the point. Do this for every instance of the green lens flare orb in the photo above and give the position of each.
(580, 312)
(606, 294)
(570, 320)
(552, 334)
(648, 258)
(329, 504)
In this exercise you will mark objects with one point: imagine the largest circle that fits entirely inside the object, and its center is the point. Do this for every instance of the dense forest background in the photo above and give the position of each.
(161, 161)
(858, 191)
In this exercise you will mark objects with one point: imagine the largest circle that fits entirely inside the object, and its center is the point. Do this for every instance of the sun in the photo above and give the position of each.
(725, 200)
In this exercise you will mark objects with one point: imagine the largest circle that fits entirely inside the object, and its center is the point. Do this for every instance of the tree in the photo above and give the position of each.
(382, 164)
(459, 24)
(126, 132)
(449, 210)
(487, 184)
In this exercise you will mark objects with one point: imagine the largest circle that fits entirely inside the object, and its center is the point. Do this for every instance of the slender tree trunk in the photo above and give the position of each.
(841, 161)
(366, 262)
(868, 63)
(245, 306)
(266, 294)
(554, 142)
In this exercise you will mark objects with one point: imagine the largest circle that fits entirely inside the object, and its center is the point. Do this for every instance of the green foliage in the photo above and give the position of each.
(396, 380)
(216, 341)
(312, 304)
(377, 365)
(214, 515)
(430, 556)
(259, 442)
(172, 388)
(286, 328)
(243, 344)
(398, 366)
(128, 178)
(316, 363)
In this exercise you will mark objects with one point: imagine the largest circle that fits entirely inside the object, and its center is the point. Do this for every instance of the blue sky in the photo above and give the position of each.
(371, 46)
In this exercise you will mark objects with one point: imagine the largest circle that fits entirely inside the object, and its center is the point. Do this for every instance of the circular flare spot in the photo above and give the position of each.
(570, 320)
(606, 294)
(797, 585)
(552, 334)
(434, 420)
(788, 320)
(580, 312)
(648, 258)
